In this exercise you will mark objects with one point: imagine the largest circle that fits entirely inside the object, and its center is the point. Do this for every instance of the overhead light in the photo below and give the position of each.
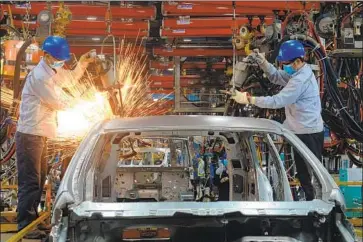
(91, 18)
(155, 99)
(96, 39)
(171, 69)
(187, 40)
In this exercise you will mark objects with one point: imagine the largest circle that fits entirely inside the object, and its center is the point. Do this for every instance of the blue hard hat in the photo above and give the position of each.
(290, 50)
(57, 47)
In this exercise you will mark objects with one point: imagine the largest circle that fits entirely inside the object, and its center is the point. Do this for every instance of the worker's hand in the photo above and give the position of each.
(224, 179)
(87, 58)
(258, 57)
(240, 97)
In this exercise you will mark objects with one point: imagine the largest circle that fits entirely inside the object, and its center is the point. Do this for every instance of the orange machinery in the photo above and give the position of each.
(11, 47)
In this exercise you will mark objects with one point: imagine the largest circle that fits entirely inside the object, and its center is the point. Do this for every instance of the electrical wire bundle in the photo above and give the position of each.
(337, 113)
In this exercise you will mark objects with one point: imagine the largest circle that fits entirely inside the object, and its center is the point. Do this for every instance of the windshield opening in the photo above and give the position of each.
(195, 166)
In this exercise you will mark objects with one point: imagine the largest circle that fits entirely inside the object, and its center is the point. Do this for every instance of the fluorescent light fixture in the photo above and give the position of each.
(171, 69)
(96, 39)
(155, 99)
(187, 40)
(91, 18)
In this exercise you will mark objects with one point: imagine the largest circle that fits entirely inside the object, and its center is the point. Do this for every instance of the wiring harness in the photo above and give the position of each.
(340, 106)
(336, 112)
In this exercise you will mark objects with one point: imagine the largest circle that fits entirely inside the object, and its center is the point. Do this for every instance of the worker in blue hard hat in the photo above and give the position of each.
(41, 100)
(300, 97)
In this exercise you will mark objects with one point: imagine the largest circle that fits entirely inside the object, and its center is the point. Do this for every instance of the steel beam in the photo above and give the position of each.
(186, 65)
(194, 52)
(279, 5)
(177, 81)
(102, 32)
(133, 12)
(161, 65)
(243, 8)
(224, 22)
(211, 10)
(85, 24)
(188, 32)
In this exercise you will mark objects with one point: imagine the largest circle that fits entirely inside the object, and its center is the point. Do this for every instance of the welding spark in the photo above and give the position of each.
(90, 106)
(76, 121)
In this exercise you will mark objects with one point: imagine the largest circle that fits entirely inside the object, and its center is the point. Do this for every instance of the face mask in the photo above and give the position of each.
(289, 69)
(57, 65)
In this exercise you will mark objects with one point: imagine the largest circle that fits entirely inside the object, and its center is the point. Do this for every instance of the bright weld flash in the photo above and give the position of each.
(77, 121)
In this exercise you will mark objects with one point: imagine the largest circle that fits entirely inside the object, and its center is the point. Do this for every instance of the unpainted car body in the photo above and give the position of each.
(87, 206)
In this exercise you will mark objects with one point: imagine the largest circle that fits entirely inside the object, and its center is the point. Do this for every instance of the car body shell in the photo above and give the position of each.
(71, 191)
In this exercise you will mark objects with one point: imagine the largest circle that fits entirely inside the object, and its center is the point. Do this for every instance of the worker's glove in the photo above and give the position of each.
(224, 179)
(260, 59)
(86, 59)
(243, 97)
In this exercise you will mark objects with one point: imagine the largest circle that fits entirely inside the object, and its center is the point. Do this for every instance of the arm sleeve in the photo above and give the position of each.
(288, 95)
(278, 77)
(47, 93)
(67, 78)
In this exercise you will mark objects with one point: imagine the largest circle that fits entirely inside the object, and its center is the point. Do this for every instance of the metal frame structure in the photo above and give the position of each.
(77, 196)
(147, 12)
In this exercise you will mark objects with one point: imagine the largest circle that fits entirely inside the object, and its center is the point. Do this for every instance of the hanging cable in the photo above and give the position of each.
(234, 50)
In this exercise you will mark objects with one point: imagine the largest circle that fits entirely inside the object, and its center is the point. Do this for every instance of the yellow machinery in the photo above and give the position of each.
(62, 19)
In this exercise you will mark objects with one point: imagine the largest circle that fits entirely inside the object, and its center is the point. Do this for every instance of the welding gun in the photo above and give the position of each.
(104, 69)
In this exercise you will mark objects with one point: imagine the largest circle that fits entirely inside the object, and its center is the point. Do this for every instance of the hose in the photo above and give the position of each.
(355, 161)
(354, 129)
(17, 86)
